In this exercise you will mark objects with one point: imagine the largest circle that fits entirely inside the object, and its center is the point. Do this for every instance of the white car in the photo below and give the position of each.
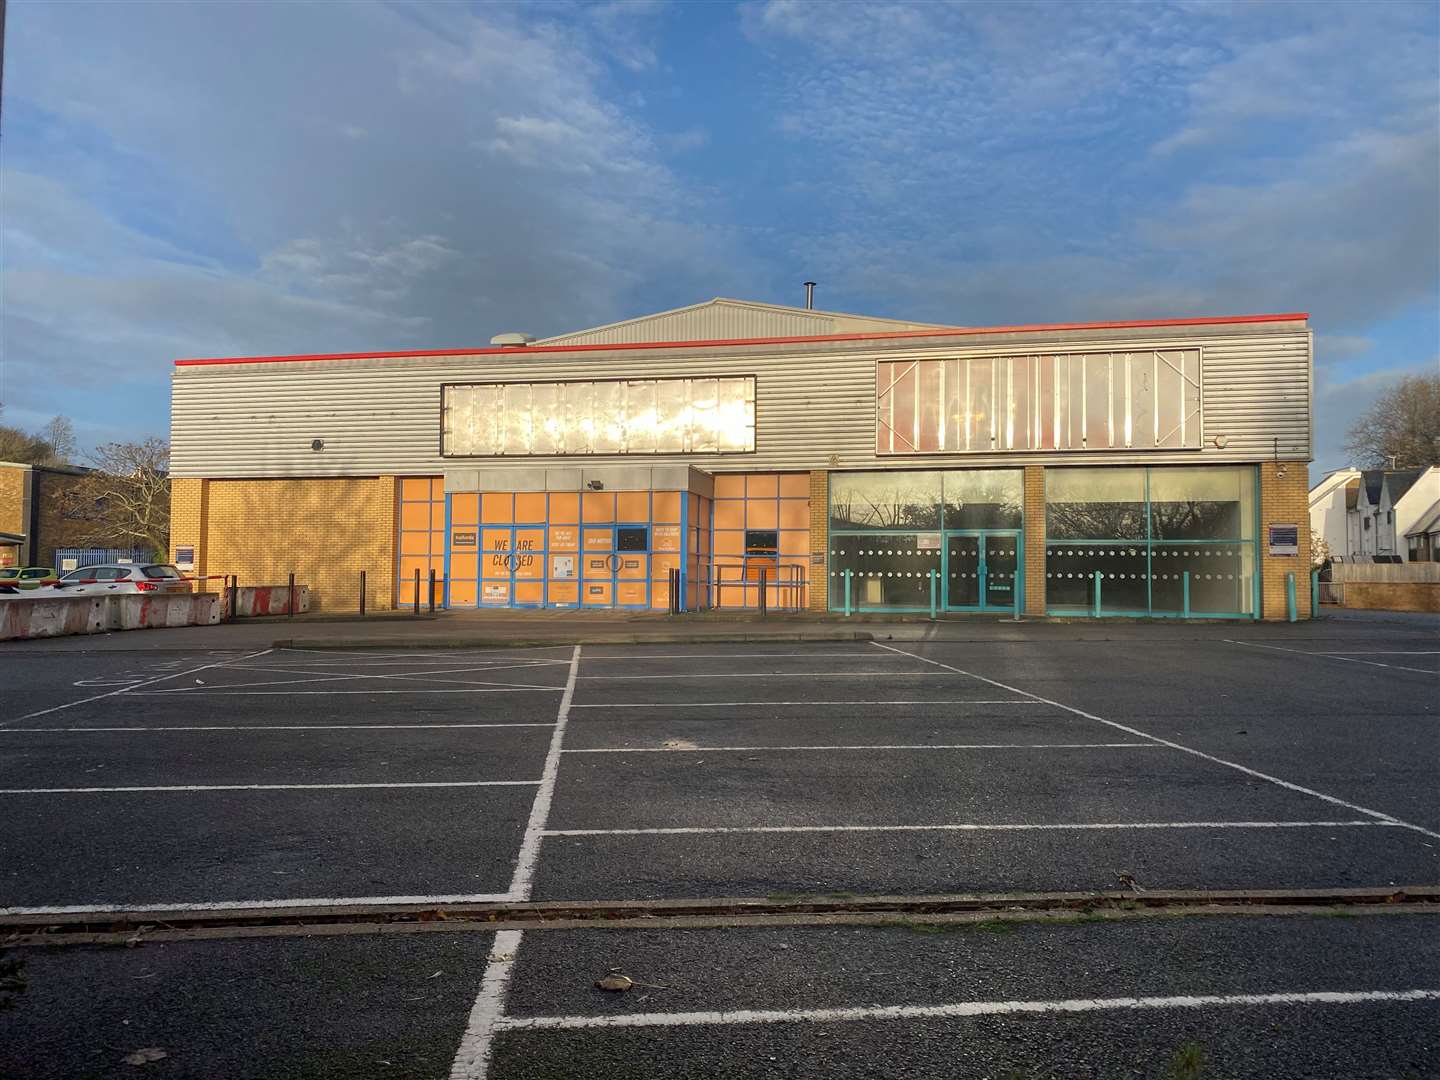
(115, 578)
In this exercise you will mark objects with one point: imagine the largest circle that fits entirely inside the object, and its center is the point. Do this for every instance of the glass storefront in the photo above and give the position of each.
(897, 539)
(1150, 541)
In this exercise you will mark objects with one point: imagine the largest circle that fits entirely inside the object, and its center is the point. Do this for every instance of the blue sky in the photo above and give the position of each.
(219, 179)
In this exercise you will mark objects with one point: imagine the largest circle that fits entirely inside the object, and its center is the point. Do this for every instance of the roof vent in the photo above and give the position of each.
(512, 341)
(809, 296)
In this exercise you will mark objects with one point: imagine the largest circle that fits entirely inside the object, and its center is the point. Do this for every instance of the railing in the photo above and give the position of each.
(781, 587)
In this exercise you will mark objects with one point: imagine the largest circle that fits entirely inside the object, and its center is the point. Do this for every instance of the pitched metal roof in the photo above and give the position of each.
(1374, 482)
(1429, 521)
(1400, 481)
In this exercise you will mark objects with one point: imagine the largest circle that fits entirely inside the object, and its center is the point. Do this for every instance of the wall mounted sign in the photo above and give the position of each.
(497, 592)
(184, 558)
(1284, 540)
(562, 566)
(927, 542)
(596, 590)
(462, 539)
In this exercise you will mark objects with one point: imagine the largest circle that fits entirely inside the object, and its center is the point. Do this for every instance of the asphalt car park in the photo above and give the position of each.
(621, 773)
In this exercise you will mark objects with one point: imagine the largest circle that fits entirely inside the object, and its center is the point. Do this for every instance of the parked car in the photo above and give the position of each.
(17, 579)
(108, 578)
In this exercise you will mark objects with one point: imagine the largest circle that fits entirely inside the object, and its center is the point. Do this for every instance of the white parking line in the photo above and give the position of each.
(276, 727)
(1379, 652)
(472, 1059)
(769, 675)
(953, 1010)
(876, 746)
(590, 658)
(976, 827)
(324, 693)
(1387, 819)
(131, 689)
(1334, 656)
(735, 704)
(244, 905)
(269, 787)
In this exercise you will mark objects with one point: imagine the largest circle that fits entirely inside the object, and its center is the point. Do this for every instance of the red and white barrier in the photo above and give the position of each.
(252, 600)
(55, 616)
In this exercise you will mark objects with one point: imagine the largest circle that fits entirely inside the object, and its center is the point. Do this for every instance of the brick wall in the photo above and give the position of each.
(1034, 540)
(324, 530)
(12, 501)
(1284, 500)
(819, 572)
(189, 500)
(53, 529)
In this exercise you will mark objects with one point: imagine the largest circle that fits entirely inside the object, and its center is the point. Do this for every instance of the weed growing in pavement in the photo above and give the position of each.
(1188, 1062)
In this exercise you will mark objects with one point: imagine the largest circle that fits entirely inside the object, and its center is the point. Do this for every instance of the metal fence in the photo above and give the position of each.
(782, 587)
(67, 559)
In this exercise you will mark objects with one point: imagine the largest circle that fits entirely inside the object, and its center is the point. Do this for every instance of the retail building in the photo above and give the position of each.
(1153, 467)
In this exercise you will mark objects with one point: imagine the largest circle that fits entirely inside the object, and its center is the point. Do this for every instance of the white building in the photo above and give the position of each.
(1368, 514)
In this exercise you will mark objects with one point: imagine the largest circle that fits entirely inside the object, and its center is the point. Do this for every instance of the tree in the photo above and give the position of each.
(60, 434)
(124, 499)
(54, 444)
(1402, 428)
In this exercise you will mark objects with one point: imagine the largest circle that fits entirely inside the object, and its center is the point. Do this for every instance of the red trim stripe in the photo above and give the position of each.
(963, 331)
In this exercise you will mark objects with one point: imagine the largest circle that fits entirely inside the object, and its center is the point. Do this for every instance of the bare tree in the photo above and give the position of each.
(1402, 428)
(53, 444)
(125, 499)
(60, 434)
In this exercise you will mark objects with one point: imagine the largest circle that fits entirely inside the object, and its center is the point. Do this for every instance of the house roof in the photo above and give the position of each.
(1326, 485)
(724, 317)
(1374, 482)
(1352, 494)
(1428, 522)
(1401, 481)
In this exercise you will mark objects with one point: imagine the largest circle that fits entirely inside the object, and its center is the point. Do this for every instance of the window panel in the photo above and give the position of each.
(984, 498)
(1096, 401)
(1202, 503)
(643, 416)
(881, 500)
(1095, 504)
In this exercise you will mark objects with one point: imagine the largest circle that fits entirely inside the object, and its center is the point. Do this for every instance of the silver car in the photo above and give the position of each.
(117, 578)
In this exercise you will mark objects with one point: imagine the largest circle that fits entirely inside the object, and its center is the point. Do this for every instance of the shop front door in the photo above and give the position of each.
(512, 566)
(982, 569)
(615, 566)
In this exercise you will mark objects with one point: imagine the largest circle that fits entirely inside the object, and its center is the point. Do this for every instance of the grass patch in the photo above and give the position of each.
(1187, 1063)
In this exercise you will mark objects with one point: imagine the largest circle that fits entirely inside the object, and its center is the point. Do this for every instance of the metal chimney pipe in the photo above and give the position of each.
(809, 296)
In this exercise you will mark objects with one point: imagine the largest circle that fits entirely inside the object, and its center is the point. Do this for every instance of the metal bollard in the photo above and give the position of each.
(762, 592)
(1185, 584)
(432, 590)
(416, 594)
(1290, 597)
(932, 594)
(1098, 577)
(291, 610)
(1015, 594)
(234, 595)
(1314, 593)
(847, 593)
(362, 594)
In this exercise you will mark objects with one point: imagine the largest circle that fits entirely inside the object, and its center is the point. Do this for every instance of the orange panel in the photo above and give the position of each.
(665, 538)
(529, 592)
(597, 566)
(794, 514)
(494, 594)
(596, 594)
(761, 514)
(462, 566)
(762, 486)
(564, 506)
(465, 508)
(529, 506)
(599, 539)
(630, 593)
(795, 485)
(495, 539)
(632, 567)
(564, 538)
(564, 592)
(437, 488)
(667, 507)
(702, 518)
(437, 515)
(729, 542)
(408, 566)
(415, 516)
(729, 485)
(660, 595)
(730, 514)
(497, 507)
(599, 506)
(462, 593)
(416, 488)
(415, 543)
(795, 543)
(633, 506)
(661, 565)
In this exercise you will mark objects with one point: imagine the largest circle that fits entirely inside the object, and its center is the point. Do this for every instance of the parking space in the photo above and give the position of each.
(1063, 762)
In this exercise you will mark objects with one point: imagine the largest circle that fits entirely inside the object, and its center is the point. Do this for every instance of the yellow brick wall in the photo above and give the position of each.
(324, 530)
(1284, 500)
(188, 504)
(1034, 540)
(819, 572)
(12, 501)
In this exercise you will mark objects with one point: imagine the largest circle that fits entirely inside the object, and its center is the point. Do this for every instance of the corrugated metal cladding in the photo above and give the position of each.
(815, 403)
(724, 320)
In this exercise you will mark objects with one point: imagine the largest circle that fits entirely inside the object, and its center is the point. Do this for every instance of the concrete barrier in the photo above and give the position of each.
(55, 616)
(253, 600)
